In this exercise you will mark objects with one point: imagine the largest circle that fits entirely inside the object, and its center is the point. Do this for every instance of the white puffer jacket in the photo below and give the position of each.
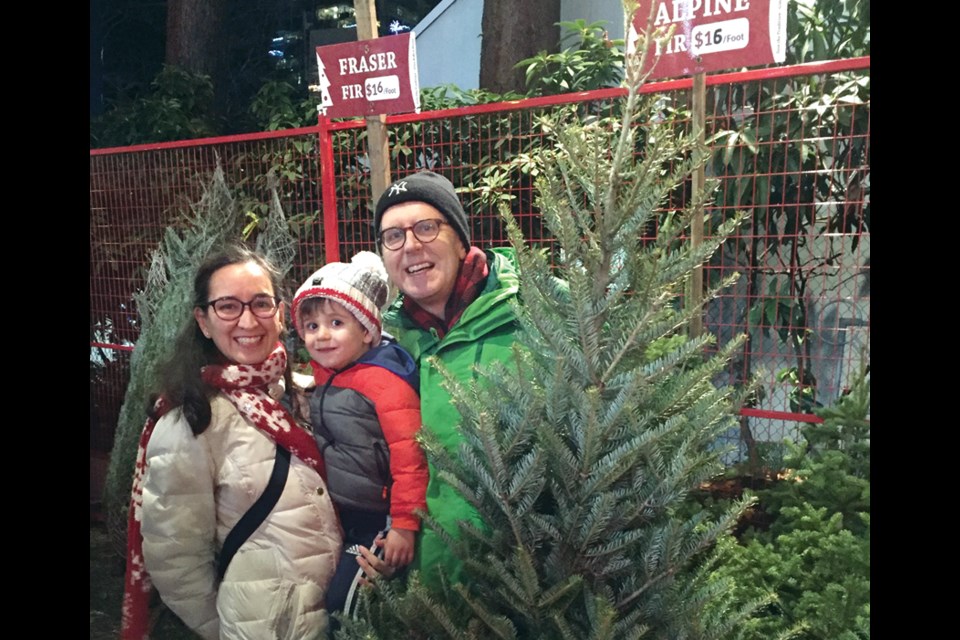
(195, 490)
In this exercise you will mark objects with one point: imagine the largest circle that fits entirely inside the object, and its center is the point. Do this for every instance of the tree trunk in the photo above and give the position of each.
(513, 31)
(194, 38)
(196, 43)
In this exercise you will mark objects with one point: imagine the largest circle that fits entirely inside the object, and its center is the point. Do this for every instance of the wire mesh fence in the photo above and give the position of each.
(788, 147)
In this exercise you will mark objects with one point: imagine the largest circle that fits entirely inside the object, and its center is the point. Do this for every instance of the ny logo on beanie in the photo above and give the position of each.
(397, 187)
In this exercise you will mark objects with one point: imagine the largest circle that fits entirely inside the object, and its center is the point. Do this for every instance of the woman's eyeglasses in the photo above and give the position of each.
(230, 308)
(424, 230)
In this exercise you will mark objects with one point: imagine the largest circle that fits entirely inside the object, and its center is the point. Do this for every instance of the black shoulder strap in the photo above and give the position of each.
(256, 513)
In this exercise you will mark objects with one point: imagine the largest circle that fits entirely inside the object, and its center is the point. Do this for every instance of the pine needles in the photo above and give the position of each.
(580, 452)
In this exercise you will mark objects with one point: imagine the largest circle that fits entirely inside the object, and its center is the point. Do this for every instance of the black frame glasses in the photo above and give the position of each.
(228, 313)
(393, 238)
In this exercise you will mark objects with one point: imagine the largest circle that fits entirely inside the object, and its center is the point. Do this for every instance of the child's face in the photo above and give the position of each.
(333, 336)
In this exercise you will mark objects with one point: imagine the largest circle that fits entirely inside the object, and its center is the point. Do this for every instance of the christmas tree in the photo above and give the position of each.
(162, 307)
(580, 452)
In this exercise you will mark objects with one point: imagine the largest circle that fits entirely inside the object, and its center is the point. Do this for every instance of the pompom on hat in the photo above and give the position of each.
(431, 188)
(361, 286)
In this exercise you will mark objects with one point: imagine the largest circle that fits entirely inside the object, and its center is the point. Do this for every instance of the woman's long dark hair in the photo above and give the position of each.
(178, 378)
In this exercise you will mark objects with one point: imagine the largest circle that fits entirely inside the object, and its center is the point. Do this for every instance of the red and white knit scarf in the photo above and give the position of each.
(255, 391)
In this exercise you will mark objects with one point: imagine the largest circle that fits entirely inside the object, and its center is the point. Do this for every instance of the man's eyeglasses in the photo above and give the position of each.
(425, 231)
(230, 308)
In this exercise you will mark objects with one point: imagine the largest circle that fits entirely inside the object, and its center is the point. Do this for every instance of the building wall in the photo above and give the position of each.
(445, 58)
(448, 44)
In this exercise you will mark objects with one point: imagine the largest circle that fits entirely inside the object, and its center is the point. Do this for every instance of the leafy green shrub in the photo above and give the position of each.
(280, 105)
(588, 60)
(179, 107)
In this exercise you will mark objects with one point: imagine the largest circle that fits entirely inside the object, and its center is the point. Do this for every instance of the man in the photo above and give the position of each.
(455, 306)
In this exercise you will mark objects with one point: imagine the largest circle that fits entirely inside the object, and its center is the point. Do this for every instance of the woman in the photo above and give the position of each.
(207, 454)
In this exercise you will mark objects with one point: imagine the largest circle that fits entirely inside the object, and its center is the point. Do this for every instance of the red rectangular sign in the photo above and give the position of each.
(369, 77)
(710, 35)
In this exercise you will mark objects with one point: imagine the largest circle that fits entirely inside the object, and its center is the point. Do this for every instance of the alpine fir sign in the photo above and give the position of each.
(711, 35)
(369, 77)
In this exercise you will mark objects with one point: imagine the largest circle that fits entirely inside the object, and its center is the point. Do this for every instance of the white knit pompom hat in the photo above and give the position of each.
(360, 285)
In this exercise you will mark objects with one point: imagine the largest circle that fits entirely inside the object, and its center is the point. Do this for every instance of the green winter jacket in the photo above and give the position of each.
(484, 333)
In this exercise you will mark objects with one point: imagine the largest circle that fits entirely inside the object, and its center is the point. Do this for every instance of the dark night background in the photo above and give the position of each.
(266, 39)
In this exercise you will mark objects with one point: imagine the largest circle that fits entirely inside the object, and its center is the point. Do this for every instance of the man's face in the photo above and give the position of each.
(425, 271)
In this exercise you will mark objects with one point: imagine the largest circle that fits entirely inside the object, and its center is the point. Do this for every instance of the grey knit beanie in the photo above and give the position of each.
(429, 187)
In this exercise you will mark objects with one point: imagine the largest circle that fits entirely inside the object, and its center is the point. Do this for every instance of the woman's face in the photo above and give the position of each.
(427, 271)
(248, 339)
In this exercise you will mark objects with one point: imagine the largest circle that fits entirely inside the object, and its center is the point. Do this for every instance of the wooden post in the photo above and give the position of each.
(377, 143)
(695, 294)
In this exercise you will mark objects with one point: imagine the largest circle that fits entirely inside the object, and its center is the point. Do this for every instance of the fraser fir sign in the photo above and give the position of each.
(369, 77)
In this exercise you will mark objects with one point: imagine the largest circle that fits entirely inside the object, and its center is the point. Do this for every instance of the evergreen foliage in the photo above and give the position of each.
(579, 452)
(164, 304)
(815, 556)
(178, 106)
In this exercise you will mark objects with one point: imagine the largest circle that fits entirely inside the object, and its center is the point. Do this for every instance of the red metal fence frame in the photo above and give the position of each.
(136, 191)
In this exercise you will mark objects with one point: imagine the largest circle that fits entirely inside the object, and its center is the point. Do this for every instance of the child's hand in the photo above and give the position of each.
(398, 549)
